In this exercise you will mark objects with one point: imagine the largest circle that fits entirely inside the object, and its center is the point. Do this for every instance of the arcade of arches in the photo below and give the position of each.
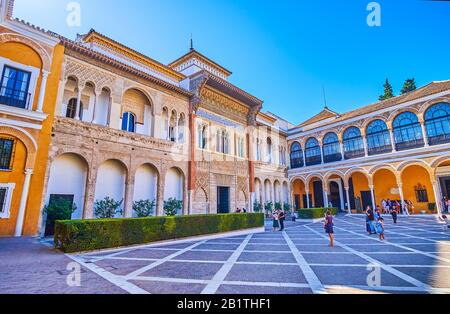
(420, 183)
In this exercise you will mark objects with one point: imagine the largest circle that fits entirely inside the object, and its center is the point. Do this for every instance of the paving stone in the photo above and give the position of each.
(331, 259)
(262, 247)
(121, 267)
(266, 273)
(336, 275)
(266, 257)
(202, 271)
(145, 253)
(217, 247)
(407, 259)
(157, 287)
(435, 277)
(204, 256)
(261, 290)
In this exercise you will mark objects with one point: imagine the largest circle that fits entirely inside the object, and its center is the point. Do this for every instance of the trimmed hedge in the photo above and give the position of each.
(315, 213)
(87, 235)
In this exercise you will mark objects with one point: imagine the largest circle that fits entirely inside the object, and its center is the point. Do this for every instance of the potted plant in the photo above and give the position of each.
(107, 208)
(257, 207)
(144, 208)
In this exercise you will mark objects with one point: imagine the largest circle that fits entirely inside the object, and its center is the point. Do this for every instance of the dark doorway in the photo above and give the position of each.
(305, 200)
(335, 195)
(223, 200)
(366, 197)
(59, 208)
(318, 194)
(297, 201)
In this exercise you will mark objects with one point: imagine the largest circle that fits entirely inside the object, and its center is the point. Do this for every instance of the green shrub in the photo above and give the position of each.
(269, 207)
(172, 206)
(278, 206)
(257, 207)
(107, 208)
(287, 207)
(315, 213)
(86, 235)
(59, 209)
(144, 208)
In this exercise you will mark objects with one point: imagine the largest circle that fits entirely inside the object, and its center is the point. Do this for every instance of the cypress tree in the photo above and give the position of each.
(409, 86)
(388, 91)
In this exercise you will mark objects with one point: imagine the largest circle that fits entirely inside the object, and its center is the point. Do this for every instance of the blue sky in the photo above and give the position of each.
(282, 51)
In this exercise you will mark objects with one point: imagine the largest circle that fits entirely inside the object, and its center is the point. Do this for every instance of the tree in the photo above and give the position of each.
(172, 206)
(59, 209)
(144, 208)
(107, 208)
(388, 91)
(409, 86)
(257, 207)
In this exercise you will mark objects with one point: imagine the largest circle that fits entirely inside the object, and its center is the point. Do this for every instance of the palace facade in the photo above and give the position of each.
(91, 118)
(30, 63)
(398, 149)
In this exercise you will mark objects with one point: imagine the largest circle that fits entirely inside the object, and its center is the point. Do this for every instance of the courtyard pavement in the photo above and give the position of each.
(415, 258)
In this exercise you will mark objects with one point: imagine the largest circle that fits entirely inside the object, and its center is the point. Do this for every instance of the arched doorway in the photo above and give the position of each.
(418, 190)
(386, 186)
(359, 191)
(173, 187)
(146, 184)
(300, 197)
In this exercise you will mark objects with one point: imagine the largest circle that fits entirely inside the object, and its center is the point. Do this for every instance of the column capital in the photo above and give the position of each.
(28, 171)
(372, 187)
(45, 73)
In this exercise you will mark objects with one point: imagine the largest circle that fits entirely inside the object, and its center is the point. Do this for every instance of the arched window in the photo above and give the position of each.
(331, 148)
(407, 131)
(202, 136)
(313, 152)
(296, 156)
(128, 122)
(269, 150)
(437, 122)
(258, 149)
(222, 142)
(353, 143)
(378, 138)
(71, 111)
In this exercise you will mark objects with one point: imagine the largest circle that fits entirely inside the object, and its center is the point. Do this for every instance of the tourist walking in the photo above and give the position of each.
(370, 221)
(276, 222)
(281, 218)
(329, 227)
(380, 228)
(394, 213)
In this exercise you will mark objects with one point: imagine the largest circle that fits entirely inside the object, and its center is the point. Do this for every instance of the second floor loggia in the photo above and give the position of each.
(406, 131)
(134, 113)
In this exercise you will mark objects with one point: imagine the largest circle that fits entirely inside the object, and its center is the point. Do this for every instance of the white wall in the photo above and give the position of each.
(145, 185)
(68, 175)
(101, 116)
(111, 179)
(173, 187)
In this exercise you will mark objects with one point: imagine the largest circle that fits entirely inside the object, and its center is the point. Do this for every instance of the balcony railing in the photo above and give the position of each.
(410, 144)
(355, 154)
(440, 139)
(332, 158)
(314, 160)
(380, 150)
(15, 98)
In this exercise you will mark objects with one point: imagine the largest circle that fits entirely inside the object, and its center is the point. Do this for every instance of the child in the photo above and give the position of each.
(380, 228)
(447, 223)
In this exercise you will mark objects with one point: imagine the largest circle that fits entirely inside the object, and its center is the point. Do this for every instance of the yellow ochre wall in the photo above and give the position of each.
(384, 181)
(24, 54)
(411, 177)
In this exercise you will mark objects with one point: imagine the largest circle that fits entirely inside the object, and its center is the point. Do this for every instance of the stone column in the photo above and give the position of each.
(372, 193)
(23, 203)
(341, 145)
(160, 197)
(391, 134)
(177, 130)
(366, 146)
(108, 119)
(402, 198)
(349, 206)
(424, 133)
(321, 154)
(325, 197)
(94, 113)
(437, 195)
(42, 91)
(304, 158)
(78, 107)
(129, 195)
(308, 205)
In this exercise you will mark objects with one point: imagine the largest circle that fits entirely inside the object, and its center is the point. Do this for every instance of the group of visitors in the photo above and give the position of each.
(278, 217)
(396, 205)
(241, 210)
(375, 222)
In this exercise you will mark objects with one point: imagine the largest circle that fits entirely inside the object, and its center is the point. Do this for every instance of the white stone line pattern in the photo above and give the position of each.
(374, 261)
(115, 280)
(442, 259)
(220, 276)
(161, 261)
(311, 277)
